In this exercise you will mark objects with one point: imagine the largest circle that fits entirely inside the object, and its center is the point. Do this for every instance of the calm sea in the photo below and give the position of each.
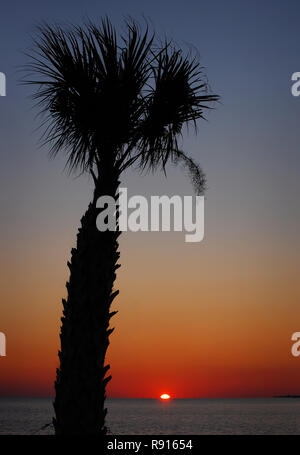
(179, 416)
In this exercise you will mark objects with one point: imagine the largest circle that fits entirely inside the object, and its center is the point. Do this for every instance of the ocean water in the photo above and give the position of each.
(179, 416)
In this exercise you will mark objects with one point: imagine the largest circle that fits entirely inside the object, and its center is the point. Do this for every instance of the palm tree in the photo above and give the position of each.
(108, 104)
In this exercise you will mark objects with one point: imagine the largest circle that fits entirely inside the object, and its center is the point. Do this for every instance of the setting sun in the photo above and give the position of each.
(165, 396)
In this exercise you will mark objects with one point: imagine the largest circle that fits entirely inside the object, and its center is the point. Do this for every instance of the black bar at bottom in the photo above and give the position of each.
(151, 444)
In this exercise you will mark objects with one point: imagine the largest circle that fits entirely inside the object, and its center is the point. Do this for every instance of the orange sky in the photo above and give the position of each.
(193, 321)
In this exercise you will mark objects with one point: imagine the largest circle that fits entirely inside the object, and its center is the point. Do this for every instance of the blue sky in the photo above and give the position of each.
(250, 145)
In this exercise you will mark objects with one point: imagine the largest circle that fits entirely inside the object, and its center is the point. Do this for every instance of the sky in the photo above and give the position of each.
(208, 319)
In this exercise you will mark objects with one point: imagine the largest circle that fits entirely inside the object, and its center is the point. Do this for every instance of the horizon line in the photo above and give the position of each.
(289, 395)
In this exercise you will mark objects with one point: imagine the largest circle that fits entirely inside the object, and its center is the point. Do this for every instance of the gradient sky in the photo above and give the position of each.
(195, 320)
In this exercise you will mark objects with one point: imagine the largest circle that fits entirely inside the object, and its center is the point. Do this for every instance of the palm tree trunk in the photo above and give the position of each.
(81, 378)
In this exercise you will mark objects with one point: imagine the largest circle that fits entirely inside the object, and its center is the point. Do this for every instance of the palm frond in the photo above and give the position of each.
(89, 89)
(179, 96)
(196, 174)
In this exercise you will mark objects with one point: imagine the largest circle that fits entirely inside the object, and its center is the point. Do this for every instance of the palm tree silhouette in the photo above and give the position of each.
(108, 104)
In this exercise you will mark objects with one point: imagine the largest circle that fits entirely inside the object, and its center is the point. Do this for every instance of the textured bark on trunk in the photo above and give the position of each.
(81, 378)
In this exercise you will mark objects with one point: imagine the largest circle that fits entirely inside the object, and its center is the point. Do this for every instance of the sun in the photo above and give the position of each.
(165, 396)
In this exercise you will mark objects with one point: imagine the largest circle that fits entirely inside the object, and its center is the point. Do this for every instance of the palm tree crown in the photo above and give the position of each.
(109, 104)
